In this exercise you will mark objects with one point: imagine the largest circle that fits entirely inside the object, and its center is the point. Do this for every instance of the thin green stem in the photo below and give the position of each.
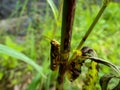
(92, 26)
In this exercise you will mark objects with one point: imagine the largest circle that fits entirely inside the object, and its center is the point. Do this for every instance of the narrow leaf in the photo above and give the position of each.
(19, 56)
(53, 7)
(107, 63)
(117, 87)
(104, 81)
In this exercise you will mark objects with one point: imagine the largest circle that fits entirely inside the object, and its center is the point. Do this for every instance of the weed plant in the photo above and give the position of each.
(104, 39)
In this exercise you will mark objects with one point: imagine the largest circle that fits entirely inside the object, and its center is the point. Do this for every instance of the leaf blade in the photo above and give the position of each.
(19, 56)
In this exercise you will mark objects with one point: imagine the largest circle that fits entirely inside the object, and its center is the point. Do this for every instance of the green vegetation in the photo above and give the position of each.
(27, 63)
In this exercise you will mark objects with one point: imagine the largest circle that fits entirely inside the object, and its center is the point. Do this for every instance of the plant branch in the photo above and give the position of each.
(66, 33)
(105, 3)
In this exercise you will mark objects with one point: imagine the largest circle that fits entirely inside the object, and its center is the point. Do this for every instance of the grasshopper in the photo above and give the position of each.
(54, 55)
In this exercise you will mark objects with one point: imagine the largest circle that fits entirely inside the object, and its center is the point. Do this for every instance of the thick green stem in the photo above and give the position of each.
(66, 33)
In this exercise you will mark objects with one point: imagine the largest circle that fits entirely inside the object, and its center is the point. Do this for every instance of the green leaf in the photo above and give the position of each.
(53, 7)
(19, 56)
(107, 63)
(117, 87)
(104, 80)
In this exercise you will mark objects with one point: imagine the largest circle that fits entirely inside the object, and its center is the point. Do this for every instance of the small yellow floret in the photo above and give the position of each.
(78, 52)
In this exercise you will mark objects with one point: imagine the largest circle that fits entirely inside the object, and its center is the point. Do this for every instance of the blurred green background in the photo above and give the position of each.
(26, 28)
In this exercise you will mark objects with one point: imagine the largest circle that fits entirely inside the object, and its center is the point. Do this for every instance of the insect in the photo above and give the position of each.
(54, 55)
(74, 67)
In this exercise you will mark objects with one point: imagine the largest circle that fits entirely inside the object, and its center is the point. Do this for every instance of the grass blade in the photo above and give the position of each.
(54, 8)
(19, 56)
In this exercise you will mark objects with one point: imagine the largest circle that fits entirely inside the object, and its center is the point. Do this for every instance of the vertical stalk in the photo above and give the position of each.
(66, 33)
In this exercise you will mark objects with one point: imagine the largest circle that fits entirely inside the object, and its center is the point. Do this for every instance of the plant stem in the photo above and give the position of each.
(66, 33)
(105, 4)
(92, 26)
